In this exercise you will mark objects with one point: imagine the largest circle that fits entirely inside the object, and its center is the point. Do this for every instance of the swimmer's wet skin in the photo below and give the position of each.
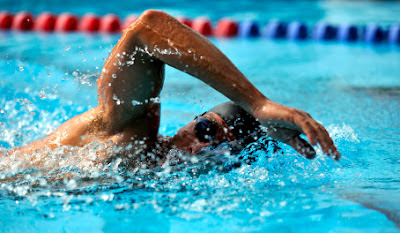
(134, 72)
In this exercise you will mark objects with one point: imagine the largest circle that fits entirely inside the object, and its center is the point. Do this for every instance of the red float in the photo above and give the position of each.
(226, 28)
(45, 22)
(130, 19)
(23, 21)
(5, 20)
(184, 20)
(110, 24)
(203, 26)
(66, 22)
(89, 23)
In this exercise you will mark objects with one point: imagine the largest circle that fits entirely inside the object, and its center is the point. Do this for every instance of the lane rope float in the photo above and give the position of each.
(227, 28)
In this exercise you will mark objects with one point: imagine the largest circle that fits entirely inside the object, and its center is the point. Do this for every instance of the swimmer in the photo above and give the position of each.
(128, 113)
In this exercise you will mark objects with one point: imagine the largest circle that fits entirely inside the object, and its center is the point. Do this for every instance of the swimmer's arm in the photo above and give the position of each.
(77, 131)
(185, 49)
(177, 45)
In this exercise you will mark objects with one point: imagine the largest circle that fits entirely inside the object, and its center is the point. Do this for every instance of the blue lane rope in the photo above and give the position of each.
(321, 31)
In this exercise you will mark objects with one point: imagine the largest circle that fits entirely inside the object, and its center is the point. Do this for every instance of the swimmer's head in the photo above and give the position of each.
(244, 127)
(226, 122)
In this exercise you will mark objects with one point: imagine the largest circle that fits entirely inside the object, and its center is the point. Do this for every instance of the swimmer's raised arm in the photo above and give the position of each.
(132, 78)
(166, 40)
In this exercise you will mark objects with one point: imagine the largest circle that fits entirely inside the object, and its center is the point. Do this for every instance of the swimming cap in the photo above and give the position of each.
(244, 126)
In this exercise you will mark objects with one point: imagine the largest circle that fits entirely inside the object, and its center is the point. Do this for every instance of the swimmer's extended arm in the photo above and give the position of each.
(157, 38)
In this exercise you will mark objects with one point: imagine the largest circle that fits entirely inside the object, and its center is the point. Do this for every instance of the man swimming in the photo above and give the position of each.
(128, 113)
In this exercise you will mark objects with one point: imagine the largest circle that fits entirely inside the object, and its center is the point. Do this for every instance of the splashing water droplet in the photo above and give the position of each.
(155, 100)
(48, 74)
(42, 93)
(67, 48)
(21, 68)
(135, 102)
(71, 184)
(117, 101)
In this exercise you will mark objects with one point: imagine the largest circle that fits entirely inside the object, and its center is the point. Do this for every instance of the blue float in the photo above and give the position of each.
(324, 31)
(275, 29)
(297, 31)
(373, 33)
(248, 28)
(394, 34)
(347, 32)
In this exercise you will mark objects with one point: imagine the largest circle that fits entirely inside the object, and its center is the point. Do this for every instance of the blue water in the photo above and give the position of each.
(352, 89)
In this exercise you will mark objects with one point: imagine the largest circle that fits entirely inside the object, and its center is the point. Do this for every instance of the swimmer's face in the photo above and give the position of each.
(208, 129)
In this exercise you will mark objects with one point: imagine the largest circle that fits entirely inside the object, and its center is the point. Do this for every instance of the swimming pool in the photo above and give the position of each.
(352, 89)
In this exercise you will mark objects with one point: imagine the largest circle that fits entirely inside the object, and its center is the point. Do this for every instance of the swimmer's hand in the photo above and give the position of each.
(286, 124)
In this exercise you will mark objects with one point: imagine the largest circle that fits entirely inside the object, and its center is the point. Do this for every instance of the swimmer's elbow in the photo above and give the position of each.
(155, 18)
(153, 15)
(149, 18)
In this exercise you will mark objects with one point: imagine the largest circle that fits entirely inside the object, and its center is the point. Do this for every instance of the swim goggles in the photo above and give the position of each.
(205, 129)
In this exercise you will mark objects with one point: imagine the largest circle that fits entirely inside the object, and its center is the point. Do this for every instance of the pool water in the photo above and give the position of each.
(353, 89)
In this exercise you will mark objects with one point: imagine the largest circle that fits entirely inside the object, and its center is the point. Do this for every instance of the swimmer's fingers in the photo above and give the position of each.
(326, 143)
(302, 147)
(317, 134)
(292, 138)
(299, 122)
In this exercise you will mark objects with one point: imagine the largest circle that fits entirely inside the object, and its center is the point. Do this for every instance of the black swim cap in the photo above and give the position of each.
(244, 126)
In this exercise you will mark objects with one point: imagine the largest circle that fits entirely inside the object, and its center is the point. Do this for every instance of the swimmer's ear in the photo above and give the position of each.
(302, 147)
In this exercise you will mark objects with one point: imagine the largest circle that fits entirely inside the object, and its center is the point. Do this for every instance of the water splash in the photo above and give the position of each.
(221, 181)
(85, 78)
